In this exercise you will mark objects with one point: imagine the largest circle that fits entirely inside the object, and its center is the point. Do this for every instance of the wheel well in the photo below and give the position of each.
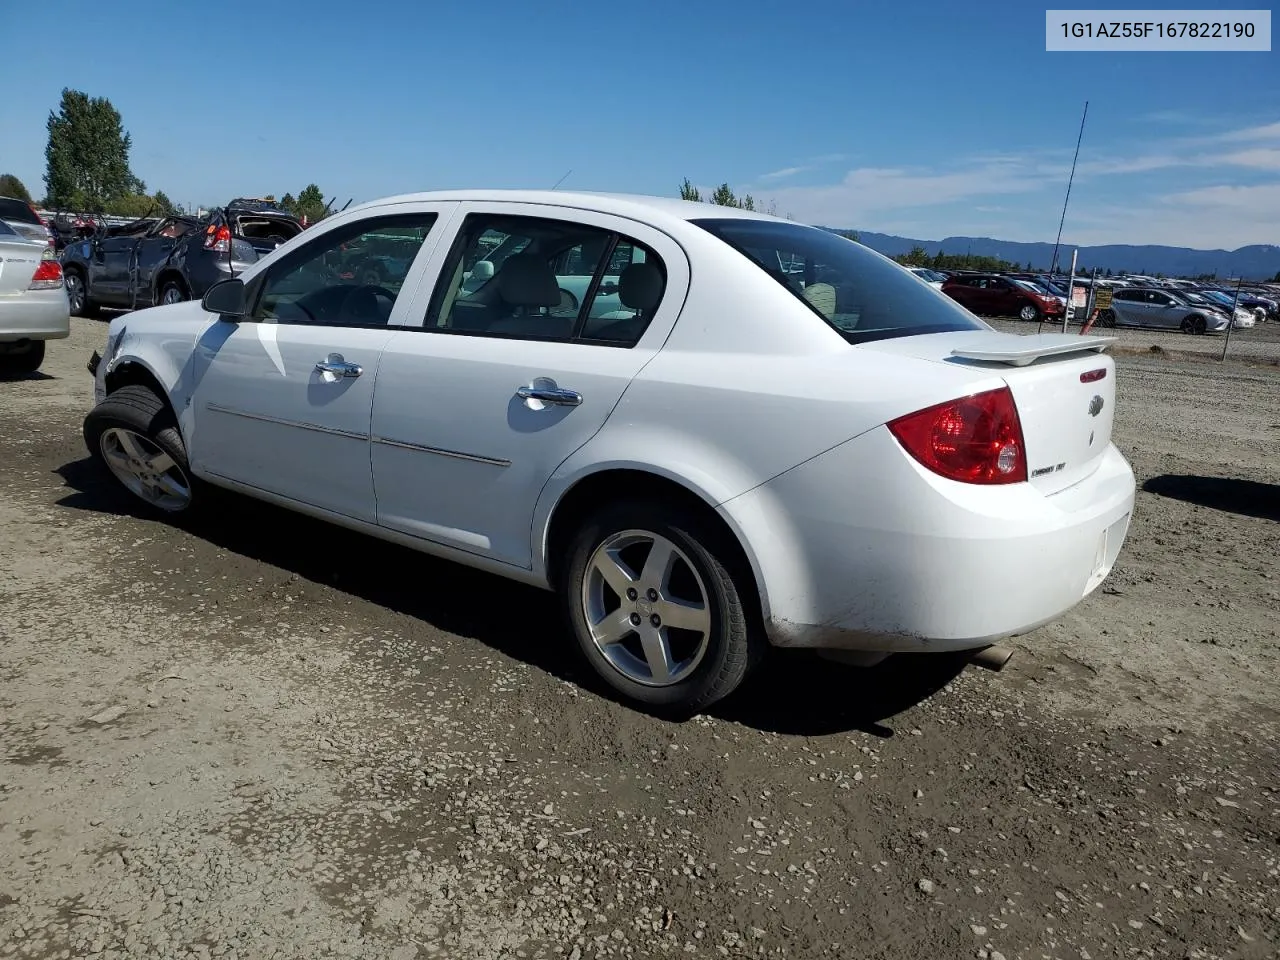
(135, 374)
(168, 275)
(600, 488)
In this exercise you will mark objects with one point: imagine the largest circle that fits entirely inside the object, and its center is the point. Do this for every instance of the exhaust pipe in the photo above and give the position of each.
(992, 658)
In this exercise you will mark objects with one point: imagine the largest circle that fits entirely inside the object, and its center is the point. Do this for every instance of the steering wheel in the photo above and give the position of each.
(367, 294)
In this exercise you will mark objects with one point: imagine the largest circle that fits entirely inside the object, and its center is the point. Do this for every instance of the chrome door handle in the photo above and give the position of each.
(339, 367)
(554, 395)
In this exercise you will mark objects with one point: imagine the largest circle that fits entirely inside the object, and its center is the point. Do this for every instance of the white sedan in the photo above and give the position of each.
(716, 455)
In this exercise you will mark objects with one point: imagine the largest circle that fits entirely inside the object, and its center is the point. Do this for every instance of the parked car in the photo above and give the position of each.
(1242, 318)
(33, 302)
(1150, 307)
(992, 295)
(716, 457)
(169, 259)
(21, 217)
(931, 277)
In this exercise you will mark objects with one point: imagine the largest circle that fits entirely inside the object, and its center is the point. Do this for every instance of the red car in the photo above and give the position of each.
(997, 296)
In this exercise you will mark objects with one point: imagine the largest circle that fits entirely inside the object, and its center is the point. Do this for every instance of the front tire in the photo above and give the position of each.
(134, 435)
(26, 362)
(661, 605)
(1028, 313)
(1106, 318)
(1194, 325)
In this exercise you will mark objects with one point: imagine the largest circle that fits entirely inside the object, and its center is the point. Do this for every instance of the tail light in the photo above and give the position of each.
(976, 439)
(48, 275)
(217, 238)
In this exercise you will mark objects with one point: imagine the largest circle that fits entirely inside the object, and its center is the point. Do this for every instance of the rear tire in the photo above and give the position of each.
(78, 294)
(699, 663)
(1107, 318)
(21, 364)
(172, 291)
(134, 435)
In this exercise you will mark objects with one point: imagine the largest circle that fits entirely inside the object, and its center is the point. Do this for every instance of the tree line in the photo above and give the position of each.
(87, 168)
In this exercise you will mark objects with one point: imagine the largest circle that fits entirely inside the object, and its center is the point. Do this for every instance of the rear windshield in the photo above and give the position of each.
(863, 295)
(11, 209)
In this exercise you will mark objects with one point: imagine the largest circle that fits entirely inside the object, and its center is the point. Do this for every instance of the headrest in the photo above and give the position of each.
(640, 286)
(526, 280)
(482, 270)
(822, 297)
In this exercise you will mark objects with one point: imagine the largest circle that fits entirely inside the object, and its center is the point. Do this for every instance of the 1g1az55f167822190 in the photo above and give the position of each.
(1163, 30)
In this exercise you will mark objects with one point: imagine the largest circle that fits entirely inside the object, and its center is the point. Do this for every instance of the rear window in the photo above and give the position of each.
(863, 295)
(16, 210)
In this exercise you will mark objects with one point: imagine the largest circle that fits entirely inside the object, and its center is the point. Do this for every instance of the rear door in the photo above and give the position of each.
(503, 380)
(152, 251)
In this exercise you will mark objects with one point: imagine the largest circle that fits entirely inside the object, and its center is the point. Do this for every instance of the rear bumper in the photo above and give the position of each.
(35, 315)
(867, 550)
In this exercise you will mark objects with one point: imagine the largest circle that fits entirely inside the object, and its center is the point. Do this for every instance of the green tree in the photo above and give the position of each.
(689, 192)
(917, 257)
(287, 202)
(87, 156)
(1276, 278)
(310, 204)
(11, 186)
(723, 196)
(848, 235)
(164, 204)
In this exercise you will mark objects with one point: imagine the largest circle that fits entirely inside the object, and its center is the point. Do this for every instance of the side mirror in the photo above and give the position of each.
(226, 298)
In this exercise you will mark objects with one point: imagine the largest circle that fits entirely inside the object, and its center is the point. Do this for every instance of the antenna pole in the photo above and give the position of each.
(1070, 179)
(562, 179)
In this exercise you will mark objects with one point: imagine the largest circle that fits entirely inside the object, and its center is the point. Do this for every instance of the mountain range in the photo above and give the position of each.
(1256, 262)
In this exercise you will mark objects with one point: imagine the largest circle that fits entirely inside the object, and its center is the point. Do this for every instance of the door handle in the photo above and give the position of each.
(338, 367)
(546, 391)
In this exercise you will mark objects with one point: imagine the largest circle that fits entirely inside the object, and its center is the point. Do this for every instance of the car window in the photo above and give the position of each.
(860, 293)
(343, 278)
(11, 209)
(543, 279)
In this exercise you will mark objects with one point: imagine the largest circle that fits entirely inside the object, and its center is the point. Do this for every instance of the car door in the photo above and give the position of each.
(109, 264)
(150, 252)
(1129, 307)
(282, 399)
(502, 381)
(1163, 311)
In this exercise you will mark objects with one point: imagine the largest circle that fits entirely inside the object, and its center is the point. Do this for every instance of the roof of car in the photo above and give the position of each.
(623, 204)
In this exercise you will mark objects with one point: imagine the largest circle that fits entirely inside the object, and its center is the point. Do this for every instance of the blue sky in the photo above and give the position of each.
(923, 119)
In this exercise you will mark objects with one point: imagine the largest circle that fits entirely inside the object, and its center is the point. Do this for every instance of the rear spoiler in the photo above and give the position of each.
(1022, 351)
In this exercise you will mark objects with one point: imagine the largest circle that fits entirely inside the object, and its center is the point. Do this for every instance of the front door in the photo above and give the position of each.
(109, 269)
(282, 399)
(506, 378)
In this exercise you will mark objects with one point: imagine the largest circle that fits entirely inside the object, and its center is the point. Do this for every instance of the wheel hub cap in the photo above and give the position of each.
(647, 608)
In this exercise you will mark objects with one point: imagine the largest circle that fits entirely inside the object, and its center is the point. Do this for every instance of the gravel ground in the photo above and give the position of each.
(267, 738)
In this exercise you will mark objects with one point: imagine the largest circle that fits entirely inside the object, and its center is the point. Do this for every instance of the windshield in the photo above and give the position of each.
(1028, 285)
(863, 295)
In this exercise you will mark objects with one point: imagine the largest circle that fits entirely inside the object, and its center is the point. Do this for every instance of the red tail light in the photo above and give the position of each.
(976, 439)
(48, 276)
(217, 238)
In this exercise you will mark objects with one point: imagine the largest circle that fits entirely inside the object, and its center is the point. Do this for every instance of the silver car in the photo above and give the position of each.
(23, 219)
(1150, 307)
(33, 302)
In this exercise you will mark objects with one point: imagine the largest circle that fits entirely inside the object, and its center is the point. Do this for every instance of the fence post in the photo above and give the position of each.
(1231, 323)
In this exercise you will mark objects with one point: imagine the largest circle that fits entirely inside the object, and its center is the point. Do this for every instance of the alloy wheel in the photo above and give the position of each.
(145, 469)
(647, 608)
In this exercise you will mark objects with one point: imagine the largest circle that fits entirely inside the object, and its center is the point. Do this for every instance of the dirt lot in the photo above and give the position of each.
(263, 737)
